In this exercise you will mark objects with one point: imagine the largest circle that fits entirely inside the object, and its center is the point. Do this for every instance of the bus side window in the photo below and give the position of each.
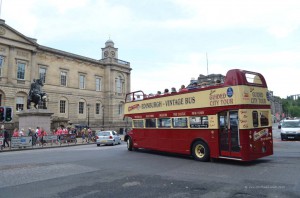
(264, 121)
(180, 122)
(164, 122)
(255, 118)
(199, 122)
(151, 123)
(138, 123)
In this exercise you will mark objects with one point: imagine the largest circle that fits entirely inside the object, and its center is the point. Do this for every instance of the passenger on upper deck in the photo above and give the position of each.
(151, 95)
(217, 82)
(158, 93)
(173, 90)
(194, 85)
(182, 88)
(166, 91)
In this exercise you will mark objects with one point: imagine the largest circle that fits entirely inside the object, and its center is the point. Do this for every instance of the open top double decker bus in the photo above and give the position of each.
(230, 120)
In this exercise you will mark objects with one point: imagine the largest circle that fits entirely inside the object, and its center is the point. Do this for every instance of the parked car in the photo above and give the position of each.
(290, 129)
(107, 138)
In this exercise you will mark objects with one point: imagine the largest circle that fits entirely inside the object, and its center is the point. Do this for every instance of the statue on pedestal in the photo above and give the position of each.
(36, 95)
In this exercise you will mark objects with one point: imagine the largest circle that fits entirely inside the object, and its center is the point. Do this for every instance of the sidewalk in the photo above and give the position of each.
(51, 145)
(47, 145)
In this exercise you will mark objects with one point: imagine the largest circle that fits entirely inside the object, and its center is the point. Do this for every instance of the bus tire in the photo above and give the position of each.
(129, 144)
(200, 151)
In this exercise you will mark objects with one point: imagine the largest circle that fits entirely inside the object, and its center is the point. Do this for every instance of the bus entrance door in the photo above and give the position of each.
(229, 134)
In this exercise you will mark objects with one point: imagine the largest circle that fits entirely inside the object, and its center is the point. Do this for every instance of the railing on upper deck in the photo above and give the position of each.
(233, 77)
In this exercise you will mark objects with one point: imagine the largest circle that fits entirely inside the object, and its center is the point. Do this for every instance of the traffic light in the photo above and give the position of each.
(8, 114)
(2, 112)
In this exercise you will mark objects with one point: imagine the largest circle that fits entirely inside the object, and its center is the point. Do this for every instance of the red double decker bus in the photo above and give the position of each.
(230, 120)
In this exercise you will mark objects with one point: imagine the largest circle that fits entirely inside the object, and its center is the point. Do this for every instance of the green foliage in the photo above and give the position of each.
(291, 107)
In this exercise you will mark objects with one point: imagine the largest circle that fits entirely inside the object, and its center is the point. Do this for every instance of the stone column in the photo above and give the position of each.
(33, 66)
(11, 69)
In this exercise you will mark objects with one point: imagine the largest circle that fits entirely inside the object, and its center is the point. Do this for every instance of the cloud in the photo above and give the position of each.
(279, 18)
(168, 49)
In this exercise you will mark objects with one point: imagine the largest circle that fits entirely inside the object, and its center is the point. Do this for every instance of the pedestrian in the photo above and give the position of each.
(29, 132)
(83, 134)
(21, 132)
(43, 133)
(37, 132)
(5, 134)
(89, 135)
(16, 132)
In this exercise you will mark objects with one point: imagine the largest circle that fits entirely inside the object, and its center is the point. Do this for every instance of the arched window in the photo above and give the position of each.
(120, 84)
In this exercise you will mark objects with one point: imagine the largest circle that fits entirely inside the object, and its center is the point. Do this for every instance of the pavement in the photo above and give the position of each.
(53, 144)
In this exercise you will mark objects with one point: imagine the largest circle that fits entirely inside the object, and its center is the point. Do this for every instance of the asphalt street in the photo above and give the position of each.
(112, 171)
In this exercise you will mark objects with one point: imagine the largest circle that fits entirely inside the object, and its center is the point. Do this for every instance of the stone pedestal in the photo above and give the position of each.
(33, 118)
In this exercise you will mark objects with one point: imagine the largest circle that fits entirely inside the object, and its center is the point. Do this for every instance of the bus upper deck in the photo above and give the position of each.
(239, 87)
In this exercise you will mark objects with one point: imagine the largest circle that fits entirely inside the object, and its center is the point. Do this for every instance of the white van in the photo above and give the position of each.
(290, 129)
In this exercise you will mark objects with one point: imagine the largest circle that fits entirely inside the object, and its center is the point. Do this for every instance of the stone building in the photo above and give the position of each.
(80, 90)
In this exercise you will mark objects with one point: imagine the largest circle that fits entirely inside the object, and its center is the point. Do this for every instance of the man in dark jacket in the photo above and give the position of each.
(6, 136)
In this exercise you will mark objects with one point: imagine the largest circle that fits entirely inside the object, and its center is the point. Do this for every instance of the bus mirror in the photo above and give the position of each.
(279, 126)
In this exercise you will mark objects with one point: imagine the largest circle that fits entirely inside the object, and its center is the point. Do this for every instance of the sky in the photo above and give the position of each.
(166, 41)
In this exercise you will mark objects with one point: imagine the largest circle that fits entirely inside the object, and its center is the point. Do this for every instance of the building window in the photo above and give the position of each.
(81, 81)
(97, 108)
(63, 78)
(98, 84)
(42, 105)
(21, 71)
(43, 74)
(19, 103)
(0, 99)
(81, 107)
(119, 85)
(120, 109)
(62, 106)
(1, 64)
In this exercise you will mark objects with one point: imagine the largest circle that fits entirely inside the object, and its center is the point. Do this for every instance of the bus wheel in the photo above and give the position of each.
(200, 151)
(129, 144)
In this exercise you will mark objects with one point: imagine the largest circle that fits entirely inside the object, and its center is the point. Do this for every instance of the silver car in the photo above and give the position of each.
(107, 138)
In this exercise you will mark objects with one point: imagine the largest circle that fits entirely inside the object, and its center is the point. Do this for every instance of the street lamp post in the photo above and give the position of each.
(88, 111)
(102, 117)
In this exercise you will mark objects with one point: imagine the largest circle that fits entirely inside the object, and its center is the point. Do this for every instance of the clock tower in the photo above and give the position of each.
(109, 51)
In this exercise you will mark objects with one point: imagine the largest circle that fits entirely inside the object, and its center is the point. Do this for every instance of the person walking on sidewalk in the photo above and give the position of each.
(5, 134)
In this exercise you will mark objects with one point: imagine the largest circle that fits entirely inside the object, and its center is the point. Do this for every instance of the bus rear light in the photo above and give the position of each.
(250, 145)
(110, 137)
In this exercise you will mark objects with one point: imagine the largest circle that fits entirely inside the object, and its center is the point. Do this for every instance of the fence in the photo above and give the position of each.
(29, 142)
